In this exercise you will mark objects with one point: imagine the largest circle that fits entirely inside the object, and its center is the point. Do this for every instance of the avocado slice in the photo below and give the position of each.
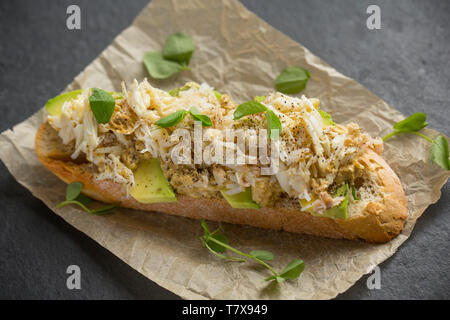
(337, 212)
(242, 200)
(54, 105)
(150, 184)
(305, 203)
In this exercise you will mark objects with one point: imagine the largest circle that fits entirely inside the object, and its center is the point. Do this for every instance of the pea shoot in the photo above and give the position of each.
(292, 80)
(174, 57)
(253, 107)
(217, 244)
(176, 117)
(74, 196)
(439, 152)
(102, 105)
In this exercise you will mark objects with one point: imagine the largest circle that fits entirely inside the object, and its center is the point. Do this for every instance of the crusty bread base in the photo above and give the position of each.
(380, 222)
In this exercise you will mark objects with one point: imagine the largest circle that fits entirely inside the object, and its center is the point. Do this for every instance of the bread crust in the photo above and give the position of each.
(380, 221)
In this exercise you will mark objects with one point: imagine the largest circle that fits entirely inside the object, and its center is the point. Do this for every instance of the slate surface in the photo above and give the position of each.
(406, 63)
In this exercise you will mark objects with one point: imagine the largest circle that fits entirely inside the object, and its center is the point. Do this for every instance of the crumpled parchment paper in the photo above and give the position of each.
(240, 54)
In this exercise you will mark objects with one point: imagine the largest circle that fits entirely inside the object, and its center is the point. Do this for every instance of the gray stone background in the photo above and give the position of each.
(406, 63)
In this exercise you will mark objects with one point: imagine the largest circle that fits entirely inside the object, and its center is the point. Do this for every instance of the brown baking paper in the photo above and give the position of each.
(240, 54)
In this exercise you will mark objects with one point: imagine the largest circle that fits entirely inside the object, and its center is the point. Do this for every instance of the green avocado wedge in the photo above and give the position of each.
(337, 212)
(242, 200)
(54, 105)
(150, 184)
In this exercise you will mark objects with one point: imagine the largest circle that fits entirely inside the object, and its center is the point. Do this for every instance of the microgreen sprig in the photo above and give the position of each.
(176, 117)
(439, 152)
(178, 47)
(254, 107)
(412, 124)
(355, 197)
(248, 108)
(102, 104)
(160, 68)
(217, 244)
(273, 124)
(174, 57)
(172, 119)
(292, 80)
(74, 196)
(204, 119)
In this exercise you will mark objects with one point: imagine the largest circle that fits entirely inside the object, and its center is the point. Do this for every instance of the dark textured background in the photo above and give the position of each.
(406, 63)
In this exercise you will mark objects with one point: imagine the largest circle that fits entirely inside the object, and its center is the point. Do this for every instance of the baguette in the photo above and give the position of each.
(308, 193)
(375, 219)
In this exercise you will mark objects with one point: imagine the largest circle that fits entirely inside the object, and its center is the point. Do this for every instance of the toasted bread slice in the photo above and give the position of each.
(375, 221)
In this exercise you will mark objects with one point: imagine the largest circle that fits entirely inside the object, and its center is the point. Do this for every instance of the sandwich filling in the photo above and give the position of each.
(315, 156)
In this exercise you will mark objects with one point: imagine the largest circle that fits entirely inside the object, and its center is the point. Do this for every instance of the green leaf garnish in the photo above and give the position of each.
(355, 197)
(263, 255)
(248, 108)
(172, 119)
(412, 124)
(160, 68)
(439, 153)
(254, 107)
(415, 122)
(215, 246)
(174, 58)
(206, 121)
(205, 228)
(293, 269)
(178, 47)
(83, 199)
(74, 196)
(73, 190)
(104, 210)
(102, 105)
(292, 80)
(176, 117)
(218, 244)
(273, 124)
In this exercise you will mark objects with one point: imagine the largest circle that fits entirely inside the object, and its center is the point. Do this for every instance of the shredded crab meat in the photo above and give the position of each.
(312, 155)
